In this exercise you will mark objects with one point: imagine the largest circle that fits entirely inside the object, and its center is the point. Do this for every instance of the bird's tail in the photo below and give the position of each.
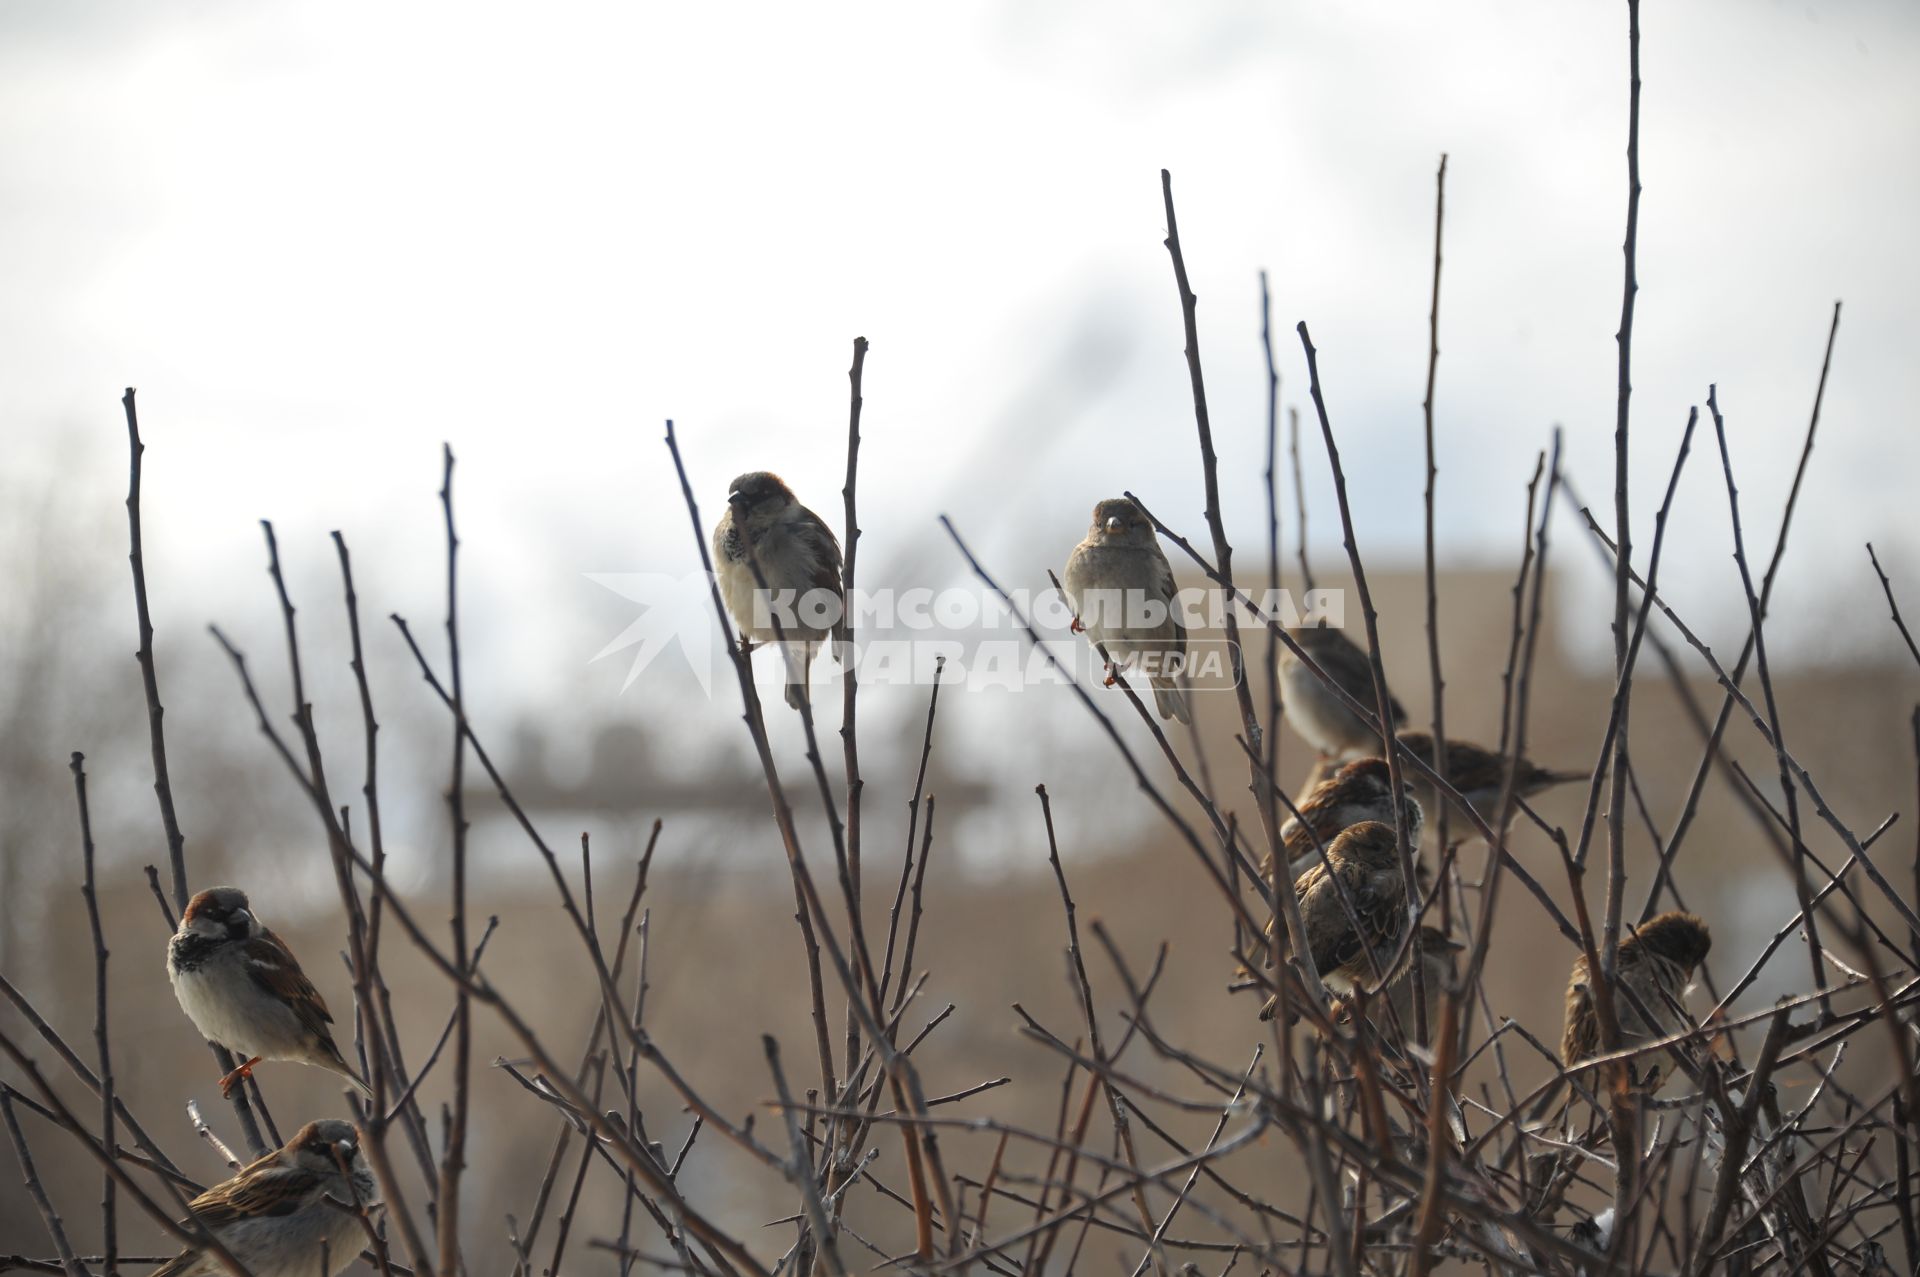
(179, 1266)
(346, 1070)
(329, 1058)
(798, 656)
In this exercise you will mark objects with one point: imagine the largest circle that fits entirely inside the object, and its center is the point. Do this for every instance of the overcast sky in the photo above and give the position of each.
(323, 239)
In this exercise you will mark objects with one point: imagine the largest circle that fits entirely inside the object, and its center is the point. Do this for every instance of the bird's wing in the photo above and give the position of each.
(274, 968)
(1346, 662)
(1580, 1037)
(1471, 768)
(1071, 576)
(258, 1191)
(821, 551)
(1380, 910)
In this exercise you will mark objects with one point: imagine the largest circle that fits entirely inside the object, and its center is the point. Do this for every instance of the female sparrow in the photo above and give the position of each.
(1658, 962)
(242, 988)
(1365, 859)
(1436, 971)
(799, 560)
(293, 1213)
(1358, 791)
(1313, 708)
(1121, 589)
(1475, 771)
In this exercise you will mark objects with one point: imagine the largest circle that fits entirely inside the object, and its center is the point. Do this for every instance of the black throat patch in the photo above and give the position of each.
(189, 951)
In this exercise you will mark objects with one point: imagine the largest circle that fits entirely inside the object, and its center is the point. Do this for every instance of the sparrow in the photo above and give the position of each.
(242, 988)
(799, 560)
(1365, 858)
(1437, 969)
(1658, 962)
(1357, 791)
(1313, 708)
(1475, 771)
(1120, 586)
(293, 1213)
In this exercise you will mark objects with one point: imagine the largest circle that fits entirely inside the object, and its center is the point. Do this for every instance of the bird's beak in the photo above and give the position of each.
(738, 500)
(1114, 525)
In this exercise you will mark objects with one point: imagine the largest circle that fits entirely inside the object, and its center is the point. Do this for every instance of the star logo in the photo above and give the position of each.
(676, 611)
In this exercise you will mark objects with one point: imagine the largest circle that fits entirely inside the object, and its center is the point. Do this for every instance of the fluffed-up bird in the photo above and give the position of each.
(1658, 963)
(1437, 969)
(1475, 771)
(1120, 586)
(1315, 711)
(293, 1213)
(799, 559)
(242, 987)
(1359, 790)
(1365, 860)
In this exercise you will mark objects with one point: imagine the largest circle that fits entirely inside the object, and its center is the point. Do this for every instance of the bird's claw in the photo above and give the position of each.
(236, 1077)
(1076, 627)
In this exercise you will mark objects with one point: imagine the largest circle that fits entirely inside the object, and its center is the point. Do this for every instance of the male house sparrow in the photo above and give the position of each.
(1358, 791)
(1658, 963)
(1121, 588)
(799, 559)
(1365, 858)
(1475, 771)
(242, 988)
(281, 1215)
(1313, 708)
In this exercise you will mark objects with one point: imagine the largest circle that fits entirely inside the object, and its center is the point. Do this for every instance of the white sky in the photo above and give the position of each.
(322, 239)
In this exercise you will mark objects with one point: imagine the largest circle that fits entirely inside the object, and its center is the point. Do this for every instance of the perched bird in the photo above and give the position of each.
(799, 560)
(1365, 859)
(242, 988)
(1475, 771)
(1313, 708)
(1358, 791)
(293, 1213)
(1658, 963)
(1121, 588)
(1436, 971)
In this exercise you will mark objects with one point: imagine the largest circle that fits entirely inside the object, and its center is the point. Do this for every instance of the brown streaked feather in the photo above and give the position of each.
(1347, 664)
(264, 1188)
(275, 969)
(1383, 914)
(823, 548)
(1580, 1036)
